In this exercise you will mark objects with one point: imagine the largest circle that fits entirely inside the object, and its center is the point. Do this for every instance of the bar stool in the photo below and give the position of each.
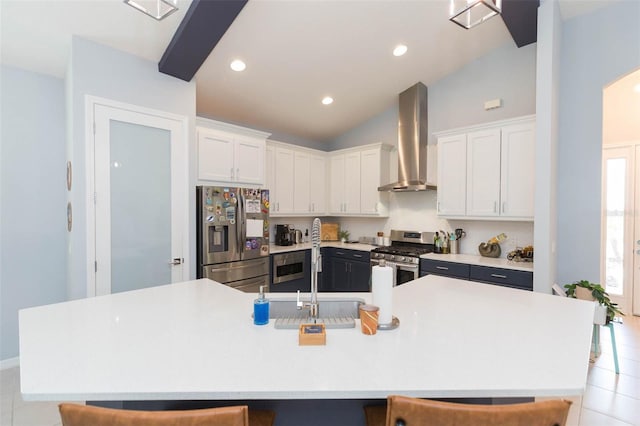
(83, 415)
(405, 411)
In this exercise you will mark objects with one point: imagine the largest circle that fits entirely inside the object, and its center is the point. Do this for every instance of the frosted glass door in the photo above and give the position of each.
(140, 187)
(140, 200)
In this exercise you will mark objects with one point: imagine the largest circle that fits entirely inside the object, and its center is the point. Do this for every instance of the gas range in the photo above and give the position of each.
(406, 247)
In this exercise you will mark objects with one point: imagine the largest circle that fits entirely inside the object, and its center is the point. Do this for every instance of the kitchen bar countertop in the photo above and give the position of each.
(471, 259)
(196, 340)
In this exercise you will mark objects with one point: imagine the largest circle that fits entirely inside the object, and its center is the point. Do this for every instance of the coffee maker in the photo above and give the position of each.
(283, 235)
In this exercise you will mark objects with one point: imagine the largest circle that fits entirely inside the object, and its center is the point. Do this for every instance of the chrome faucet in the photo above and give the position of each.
(316, 267)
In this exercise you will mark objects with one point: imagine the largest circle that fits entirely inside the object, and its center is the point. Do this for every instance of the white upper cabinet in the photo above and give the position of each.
(355, 175)
(282, 201)
(296, 180)
(518, 170)
(307, 182)
(452, 175)
(374, 172)
(229, 154)
(336, 184)
(318, 184)
(487, 171)
(483, 172)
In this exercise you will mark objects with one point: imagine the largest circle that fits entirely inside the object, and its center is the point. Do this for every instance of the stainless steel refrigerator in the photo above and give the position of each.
(233, 236)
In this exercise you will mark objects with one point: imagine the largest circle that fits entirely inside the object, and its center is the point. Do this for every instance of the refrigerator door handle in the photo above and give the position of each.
(239, 222)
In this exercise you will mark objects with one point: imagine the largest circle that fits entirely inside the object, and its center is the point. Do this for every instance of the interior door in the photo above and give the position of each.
(140, 182)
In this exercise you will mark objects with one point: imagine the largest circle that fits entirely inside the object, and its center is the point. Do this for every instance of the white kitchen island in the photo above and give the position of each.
(196, 341)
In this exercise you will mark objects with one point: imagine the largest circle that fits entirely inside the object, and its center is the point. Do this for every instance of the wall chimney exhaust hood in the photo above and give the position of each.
(412, 142)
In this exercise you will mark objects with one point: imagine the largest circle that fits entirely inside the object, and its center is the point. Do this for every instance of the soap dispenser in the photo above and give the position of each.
(261, 309)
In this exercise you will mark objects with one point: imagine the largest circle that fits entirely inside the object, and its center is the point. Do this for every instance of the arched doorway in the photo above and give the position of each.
(620, 254)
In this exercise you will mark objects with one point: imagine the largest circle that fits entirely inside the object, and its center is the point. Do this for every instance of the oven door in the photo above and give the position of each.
(402, 272)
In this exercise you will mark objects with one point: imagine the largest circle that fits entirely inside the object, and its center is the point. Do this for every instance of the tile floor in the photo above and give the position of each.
(609, 400)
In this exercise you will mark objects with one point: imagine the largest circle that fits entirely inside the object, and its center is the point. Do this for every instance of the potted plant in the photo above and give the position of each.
(586, 290)
(344, 236)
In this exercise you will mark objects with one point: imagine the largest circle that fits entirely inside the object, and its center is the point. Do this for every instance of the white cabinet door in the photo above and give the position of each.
(337, 184)
(318, 185)
(369, 181)
(270, 175)
(518, 169)
(249, 161)
(352, 182)
(301, 183)
(215, 157)
(284, 180)
(483, 173)
(452, 175)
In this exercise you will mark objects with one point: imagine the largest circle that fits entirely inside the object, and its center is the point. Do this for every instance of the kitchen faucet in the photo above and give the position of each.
(316, 267)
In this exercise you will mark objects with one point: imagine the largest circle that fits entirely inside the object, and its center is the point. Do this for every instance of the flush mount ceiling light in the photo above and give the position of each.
(157, 9)
(327, 100)
(637, 88)
(238, 65)
(469, 13)
(400, 50)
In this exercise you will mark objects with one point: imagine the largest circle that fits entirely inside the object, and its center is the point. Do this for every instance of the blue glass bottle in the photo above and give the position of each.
(261, 309)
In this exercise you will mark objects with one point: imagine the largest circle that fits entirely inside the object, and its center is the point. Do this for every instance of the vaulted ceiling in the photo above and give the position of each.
(296, 53)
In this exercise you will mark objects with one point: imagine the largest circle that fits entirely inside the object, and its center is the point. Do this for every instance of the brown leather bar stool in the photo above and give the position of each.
(405, 411)
(83, 415)
(375, 415)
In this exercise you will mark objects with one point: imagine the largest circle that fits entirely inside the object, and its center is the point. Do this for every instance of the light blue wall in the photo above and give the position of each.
(33, 260)
(458, 100)
(597, 49)
(108, 73)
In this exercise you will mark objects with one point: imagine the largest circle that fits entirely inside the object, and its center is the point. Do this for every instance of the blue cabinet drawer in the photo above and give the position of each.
(447, 269)
(357, 255)
(504, 277)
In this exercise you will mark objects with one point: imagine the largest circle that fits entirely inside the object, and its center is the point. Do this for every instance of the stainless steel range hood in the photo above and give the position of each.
(412, 142)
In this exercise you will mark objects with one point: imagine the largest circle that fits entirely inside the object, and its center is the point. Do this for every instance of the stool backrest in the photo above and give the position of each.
(404, 411)
(84, 415)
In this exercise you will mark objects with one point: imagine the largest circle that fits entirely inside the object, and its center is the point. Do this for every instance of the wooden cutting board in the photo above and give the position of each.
(329, 232)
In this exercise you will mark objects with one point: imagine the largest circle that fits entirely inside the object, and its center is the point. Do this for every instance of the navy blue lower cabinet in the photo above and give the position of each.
(522, 280)
(346, 270)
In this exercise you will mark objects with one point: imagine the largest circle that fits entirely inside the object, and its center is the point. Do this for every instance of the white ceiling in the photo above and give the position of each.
(297, 51)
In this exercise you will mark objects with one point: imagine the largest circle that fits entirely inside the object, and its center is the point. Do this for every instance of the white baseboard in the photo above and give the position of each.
(9, 363)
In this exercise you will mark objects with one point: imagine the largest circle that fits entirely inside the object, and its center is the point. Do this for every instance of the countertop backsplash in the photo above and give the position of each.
(417, 211)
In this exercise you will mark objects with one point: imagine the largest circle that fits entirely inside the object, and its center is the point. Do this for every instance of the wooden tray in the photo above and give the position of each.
(329, 232)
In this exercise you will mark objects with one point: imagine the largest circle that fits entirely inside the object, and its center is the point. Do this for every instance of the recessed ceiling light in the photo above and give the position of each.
(400, 50)
(238, 65)
(327, 100)
(637, 88)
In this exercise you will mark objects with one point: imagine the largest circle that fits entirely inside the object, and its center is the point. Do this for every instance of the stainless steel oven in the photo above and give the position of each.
(288, 266)
(402, 272)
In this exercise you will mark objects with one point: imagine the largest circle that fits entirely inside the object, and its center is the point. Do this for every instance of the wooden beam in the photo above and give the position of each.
(203, 26)
(521, 19)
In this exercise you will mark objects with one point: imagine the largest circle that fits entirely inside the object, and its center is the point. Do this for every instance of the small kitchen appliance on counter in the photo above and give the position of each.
(403, 255)
(283, 235)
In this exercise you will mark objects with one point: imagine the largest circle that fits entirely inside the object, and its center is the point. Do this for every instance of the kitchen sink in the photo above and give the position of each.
(332, 312)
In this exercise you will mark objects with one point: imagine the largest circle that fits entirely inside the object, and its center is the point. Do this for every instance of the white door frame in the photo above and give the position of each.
(630, 302)
(179, 193)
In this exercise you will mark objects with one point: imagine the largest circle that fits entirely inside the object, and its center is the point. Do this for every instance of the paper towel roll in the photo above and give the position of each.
(381, 286)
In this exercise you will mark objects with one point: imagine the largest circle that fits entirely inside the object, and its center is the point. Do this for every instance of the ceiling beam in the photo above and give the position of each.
(521, 19)
(203, 26)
